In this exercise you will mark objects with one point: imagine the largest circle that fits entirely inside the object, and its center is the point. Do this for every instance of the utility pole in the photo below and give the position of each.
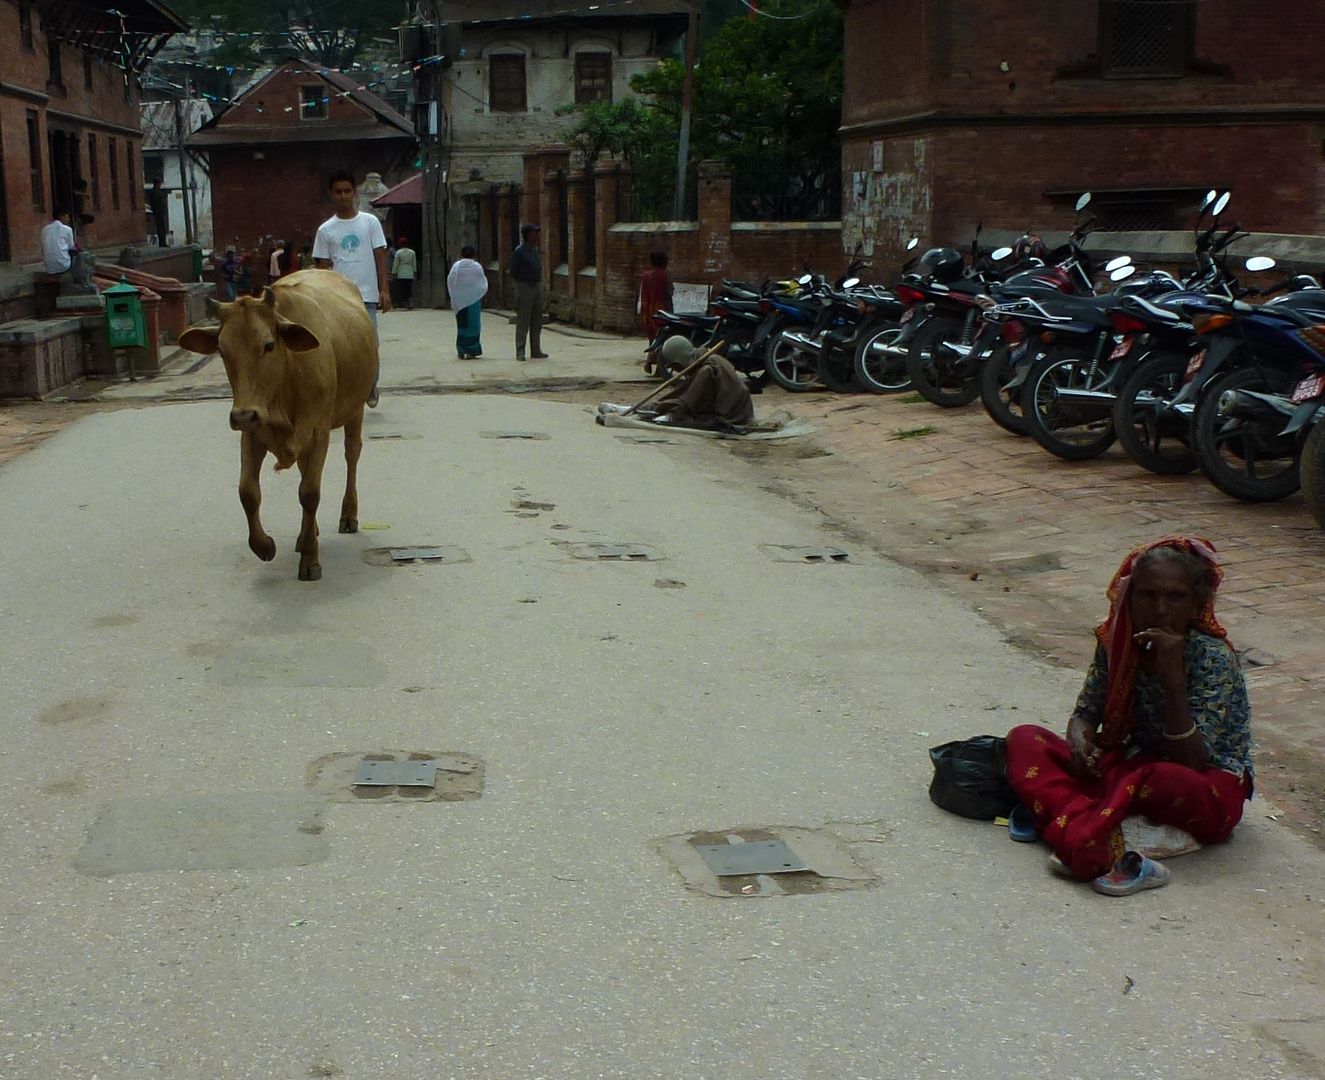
(180, 106)
(687, 95)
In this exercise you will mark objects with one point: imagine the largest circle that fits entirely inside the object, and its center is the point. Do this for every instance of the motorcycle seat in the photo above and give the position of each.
(740, 307)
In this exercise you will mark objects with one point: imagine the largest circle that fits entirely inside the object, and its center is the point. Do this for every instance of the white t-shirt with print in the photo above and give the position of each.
(349, 243)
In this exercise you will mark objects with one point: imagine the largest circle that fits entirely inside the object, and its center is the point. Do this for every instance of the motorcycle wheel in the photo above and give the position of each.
(837, 372)
(1313, 472)
(792, 369)
(928, 377)
(1154, 436)
(1071, 431)
(1003, 405)
(880, 373)
(1246, 459)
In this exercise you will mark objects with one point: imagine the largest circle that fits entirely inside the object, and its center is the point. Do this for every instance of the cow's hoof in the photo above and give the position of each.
(264, 548)
(349, 525)
(310, 573)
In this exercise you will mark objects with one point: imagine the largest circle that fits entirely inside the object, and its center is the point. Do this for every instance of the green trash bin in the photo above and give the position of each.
(126, 327)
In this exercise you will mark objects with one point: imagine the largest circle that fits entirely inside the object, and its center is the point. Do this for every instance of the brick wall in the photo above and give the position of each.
(602, 294)
(284, 193)
(960, 111)
(99, 109)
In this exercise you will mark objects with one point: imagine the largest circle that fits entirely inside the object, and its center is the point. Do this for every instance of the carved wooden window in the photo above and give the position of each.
(593, 77)
(25, 26)
(55, 77)
(1146, 39)
(113, 154)
(130, 159)
(34, 162)
(94, 171)
(506, 83)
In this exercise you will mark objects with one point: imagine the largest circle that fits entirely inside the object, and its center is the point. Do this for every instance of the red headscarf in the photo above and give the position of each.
(1116, 632)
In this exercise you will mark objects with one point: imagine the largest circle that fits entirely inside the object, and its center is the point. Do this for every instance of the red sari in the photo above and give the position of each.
(655, 294)
(1081, 818)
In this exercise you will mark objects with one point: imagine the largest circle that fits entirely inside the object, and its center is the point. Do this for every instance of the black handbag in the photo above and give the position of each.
(971, 778)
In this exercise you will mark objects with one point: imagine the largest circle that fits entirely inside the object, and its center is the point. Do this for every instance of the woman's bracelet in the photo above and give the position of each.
(1185, 735)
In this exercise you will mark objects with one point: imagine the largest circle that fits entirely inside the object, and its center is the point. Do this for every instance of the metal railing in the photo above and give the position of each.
(787, 191)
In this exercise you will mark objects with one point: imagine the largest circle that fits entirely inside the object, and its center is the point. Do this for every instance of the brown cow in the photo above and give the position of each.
(300, 361)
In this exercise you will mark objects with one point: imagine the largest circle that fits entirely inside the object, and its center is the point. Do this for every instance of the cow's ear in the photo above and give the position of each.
(295, 337)
(268, 297)
(200, 339)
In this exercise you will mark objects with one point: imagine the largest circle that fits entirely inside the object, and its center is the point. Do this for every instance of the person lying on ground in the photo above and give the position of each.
(1162, 726)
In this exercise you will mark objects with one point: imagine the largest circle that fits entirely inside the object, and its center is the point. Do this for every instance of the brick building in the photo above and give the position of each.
(69, 116)
(274, 148)
(957, 111)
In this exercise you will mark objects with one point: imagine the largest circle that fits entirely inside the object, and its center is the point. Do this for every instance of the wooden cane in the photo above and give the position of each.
(675, 378)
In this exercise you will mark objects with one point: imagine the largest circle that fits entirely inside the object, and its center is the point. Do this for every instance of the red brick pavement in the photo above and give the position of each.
(1043, 537)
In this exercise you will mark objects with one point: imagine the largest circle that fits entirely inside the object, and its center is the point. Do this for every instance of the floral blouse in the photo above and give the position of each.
(1216, 692)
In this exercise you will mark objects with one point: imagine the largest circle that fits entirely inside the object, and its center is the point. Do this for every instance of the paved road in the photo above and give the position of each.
(193, 890)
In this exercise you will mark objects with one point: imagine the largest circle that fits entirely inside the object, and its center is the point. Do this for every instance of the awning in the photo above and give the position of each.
(406, 193)
(129, 32)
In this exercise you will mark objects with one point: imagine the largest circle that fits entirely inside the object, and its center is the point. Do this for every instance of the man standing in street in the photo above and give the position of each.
(352, 243)
(403, 268)
(158, 201)
(527, 269)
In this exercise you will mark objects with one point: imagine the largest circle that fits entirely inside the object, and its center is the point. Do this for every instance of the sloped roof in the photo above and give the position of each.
(381, 121)
(406, 193)
(498, 11)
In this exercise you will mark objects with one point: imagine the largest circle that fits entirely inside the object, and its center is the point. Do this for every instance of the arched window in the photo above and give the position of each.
(593, 77)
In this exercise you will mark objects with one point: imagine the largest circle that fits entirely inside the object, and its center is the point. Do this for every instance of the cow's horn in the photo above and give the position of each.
(268, 297)
(214, 307)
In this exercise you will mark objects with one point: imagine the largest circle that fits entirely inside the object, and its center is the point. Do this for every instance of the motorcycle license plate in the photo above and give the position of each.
(1308, 388)
(907, 316)
(1121, 349)
(1194, 364)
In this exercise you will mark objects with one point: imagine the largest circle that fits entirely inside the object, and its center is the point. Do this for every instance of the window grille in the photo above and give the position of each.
(1146, 38)
(593, 77)
(94, 171)
(25, 26)
(312, 103)
(112, 153)
(506, 83)
(133, 175)
(34, 162)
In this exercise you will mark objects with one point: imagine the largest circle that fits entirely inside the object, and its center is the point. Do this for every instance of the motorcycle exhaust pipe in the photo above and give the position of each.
(1235, 405)
(880, 349)
(956, 348)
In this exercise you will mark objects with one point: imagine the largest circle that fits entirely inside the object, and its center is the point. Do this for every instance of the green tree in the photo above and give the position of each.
(767, 89)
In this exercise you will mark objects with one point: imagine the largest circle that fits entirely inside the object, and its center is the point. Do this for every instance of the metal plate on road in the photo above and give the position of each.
(396, 774)
(820, 554)
(620, 551)
(760, 857)
(536, 435)
(414, 554)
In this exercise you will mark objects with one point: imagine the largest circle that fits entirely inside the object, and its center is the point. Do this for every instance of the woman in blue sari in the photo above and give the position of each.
(468, 284)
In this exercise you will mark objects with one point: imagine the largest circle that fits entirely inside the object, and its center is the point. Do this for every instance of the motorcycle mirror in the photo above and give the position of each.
(1222, 204)
(1118, 263)
(999, 254)
(1122, 273)
(913, 243)
(1210, 197)
(1083, 202)
(804, 279)
(851, 283)
(1257, 263)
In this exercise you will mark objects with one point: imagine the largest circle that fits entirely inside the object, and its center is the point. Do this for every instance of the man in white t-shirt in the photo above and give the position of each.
(57, 243)
(353, 244)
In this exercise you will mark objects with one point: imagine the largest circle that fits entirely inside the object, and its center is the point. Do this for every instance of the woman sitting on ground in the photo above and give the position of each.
(1161, 727)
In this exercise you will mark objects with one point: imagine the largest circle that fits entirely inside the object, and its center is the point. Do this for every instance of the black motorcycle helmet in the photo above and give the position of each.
(944, 265)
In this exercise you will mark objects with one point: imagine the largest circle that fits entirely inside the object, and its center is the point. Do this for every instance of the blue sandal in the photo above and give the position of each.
(1021, 825)
(1131, 874)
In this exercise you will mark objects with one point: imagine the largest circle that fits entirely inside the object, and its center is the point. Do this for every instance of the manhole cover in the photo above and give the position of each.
(397, 776)
(775, 860)
(761, 857)
(614, 552)
(536, 435)
(426, 555)
(391, 436)
(377, 773)
(794, 553)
